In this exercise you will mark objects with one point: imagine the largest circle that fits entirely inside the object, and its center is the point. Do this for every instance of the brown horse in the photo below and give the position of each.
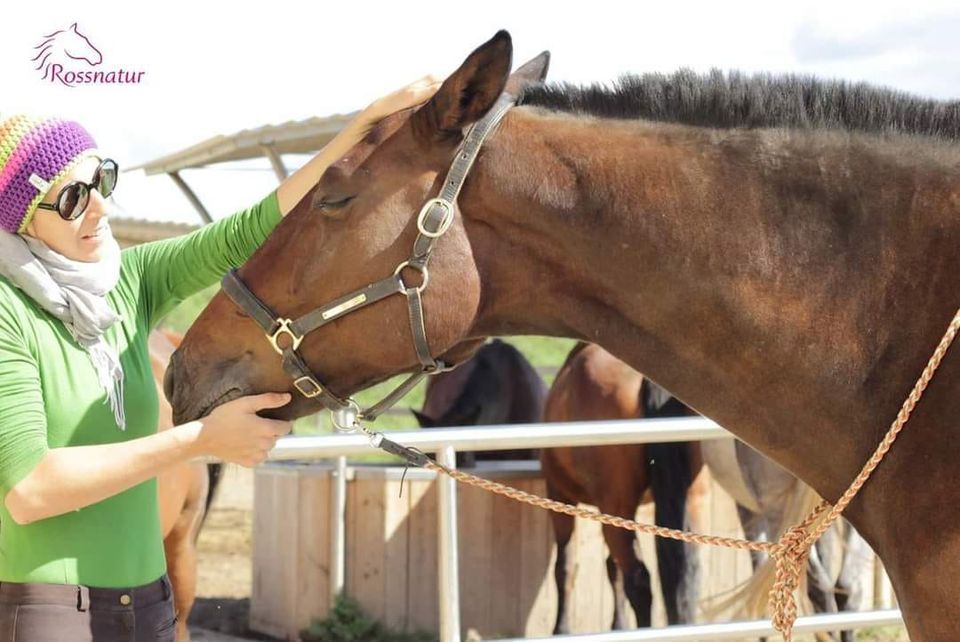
(779, 252)
(592, 384)
(184, 492)
(496, 386)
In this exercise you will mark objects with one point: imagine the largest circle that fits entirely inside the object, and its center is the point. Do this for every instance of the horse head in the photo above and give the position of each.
(354, 228)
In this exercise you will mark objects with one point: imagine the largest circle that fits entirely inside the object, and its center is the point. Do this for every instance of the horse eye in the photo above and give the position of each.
(334, 203)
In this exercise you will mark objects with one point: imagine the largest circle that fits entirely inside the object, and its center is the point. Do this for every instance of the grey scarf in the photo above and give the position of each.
(72, 291)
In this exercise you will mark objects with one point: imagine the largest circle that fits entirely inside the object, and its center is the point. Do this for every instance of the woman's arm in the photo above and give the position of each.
(171, 270)
(71, 478)
(296, 186)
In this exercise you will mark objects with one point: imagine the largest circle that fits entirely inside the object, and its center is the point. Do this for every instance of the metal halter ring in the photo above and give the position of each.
(423, 272)
(283, 327)
(345, 419)
(444, 224)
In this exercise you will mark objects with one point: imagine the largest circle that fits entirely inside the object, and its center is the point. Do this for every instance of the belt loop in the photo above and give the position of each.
(167, 589)
(83, 598)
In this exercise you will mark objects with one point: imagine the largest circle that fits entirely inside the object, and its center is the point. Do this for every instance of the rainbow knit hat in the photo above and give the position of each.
(35, 153)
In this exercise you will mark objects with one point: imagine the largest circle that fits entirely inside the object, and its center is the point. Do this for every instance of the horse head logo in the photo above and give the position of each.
(66, 44)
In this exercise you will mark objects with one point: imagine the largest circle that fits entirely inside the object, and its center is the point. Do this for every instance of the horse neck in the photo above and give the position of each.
(732, 267)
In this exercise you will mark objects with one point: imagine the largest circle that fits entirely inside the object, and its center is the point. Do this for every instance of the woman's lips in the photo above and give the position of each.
(97, 234)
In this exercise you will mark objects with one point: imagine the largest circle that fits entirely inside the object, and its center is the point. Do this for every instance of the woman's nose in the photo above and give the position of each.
(96, 206)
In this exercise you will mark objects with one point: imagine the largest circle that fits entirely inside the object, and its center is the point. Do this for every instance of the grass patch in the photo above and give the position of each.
(883, 634)
(347, 622)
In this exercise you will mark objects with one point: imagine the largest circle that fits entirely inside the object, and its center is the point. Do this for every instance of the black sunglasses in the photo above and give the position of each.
(73, 199)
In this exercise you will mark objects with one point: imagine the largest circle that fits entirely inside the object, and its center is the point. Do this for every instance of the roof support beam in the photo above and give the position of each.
(275, 161)
(191, 196)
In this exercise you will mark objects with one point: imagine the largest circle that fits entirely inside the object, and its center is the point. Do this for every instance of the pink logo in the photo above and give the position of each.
(68, 57)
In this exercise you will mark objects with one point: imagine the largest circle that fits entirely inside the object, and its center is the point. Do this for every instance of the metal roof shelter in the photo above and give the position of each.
(272, 141)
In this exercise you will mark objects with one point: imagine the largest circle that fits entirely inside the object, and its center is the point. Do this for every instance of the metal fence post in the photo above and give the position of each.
(449, 566)
(338, 510)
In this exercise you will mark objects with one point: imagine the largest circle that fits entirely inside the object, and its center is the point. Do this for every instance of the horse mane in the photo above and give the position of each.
(738, 100)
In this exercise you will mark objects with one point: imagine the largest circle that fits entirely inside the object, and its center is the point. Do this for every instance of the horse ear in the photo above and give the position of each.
(471, 417)
(422, 419)
(74, 26)
(531, 72)
(468, 93)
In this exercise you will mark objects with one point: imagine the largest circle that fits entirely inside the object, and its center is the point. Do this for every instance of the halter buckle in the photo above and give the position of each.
(314, 390)
(283, 327)
(444, 224)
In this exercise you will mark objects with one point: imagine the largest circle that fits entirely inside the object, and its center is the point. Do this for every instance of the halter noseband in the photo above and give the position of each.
(435, 218)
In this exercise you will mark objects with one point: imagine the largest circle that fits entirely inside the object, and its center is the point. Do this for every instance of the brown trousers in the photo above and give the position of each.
(65, 613)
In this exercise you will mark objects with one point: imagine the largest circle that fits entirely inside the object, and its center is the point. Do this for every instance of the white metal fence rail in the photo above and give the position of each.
(446, 442)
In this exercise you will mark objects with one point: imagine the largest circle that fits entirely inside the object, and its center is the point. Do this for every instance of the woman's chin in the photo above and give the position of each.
(89, 250)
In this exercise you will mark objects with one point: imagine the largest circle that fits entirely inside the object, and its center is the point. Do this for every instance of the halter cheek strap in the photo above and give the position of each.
(433, 221)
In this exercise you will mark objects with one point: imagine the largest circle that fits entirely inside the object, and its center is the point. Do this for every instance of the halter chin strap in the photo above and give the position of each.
(435, 218)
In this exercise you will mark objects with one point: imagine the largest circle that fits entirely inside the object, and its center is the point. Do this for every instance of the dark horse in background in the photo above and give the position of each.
(592, 384)
(496, 386)
(778, 252)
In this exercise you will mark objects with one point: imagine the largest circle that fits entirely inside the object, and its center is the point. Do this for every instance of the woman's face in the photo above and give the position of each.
(83, 238)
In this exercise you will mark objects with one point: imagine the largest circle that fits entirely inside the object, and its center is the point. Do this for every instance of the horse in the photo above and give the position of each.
(65, 43)
(592, 384)
(495, 386)
(185, 492)
(778, 252)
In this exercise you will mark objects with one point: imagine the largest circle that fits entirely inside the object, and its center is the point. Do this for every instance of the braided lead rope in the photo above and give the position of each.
(796, 542)
(790, 552)
(902, 417)
(597, 516)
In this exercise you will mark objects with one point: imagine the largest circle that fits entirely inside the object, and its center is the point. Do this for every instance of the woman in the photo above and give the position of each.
(81, 557)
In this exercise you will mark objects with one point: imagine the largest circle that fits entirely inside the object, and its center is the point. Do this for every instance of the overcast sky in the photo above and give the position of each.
(216, 68)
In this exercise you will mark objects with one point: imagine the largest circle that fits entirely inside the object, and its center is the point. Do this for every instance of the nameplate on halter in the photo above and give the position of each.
(344, 307)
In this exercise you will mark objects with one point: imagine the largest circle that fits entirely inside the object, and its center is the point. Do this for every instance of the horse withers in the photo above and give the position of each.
(777, 251)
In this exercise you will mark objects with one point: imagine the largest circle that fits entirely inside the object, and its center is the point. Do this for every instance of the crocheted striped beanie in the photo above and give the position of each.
(35, 153)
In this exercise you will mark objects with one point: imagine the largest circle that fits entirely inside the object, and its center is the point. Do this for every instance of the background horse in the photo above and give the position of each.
(595, 385)
(770, 500)
(592, 384)
(496, 386)
(779, 252)
(185, 493)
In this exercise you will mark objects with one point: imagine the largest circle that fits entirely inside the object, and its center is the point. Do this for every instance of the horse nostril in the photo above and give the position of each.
(168, 378)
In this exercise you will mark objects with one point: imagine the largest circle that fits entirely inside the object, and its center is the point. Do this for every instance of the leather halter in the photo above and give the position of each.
(435, 218)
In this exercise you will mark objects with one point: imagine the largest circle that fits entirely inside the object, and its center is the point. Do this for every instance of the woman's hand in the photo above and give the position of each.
(416, 93)
(296, 186)
(72, 477)
(234, 432)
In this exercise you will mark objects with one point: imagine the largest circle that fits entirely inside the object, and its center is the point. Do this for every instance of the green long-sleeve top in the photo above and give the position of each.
(50, 398)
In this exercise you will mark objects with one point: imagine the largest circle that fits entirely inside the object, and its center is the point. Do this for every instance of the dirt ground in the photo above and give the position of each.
(225, 573)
